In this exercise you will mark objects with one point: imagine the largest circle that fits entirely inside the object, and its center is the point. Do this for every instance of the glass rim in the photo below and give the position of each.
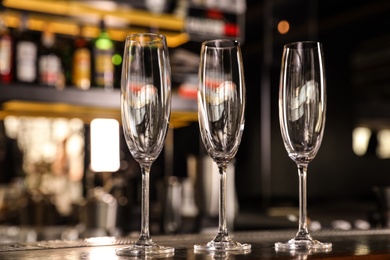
(221, 43)
(303, 45)
(153, 36)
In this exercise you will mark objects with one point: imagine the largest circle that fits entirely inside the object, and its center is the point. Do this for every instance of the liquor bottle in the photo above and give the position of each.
(26, 54)
(49, 61)
(6, 52)
(81, 65)
(117, 61)
(65, 50)
(103, 66)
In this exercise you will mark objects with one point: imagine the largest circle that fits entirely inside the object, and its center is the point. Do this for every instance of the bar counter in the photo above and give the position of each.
(354, 244)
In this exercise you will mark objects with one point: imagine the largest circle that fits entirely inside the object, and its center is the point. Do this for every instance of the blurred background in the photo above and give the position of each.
(65, 169)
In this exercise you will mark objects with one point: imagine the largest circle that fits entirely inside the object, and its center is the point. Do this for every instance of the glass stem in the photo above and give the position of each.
(302, 173)
(144, 237)
(222, 227)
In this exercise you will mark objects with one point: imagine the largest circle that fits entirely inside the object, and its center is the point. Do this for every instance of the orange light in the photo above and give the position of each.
(283, 27)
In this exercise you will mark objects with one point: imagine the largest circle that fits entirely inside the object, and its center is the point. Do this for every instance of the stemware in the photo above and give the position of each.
(221, 107)
(145, 111)
(302, 108)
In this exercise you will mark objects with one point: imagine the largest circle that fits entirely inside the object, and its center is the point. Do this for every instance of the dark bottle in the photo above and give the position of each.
(103, 50)
(6, 54)
(65, 48)
(26, 54)
(117, 61)
(81, 65)
(49, 62)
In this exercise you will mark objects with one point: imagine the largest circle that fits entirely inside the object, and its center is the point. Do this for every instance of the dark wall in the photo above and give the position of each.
(336, 173)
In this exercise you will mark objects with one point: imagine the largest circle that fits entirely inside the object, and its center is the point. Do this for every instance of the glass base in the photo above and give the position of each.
(140, 250)
(226, 254)
(303, 245)
(225, 244)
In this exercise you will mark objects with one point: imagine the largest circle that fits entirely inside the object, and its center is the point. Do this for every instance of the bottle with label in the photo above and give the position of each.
(26, 54)
(49, 62)
(103, 66)
(81, 65)
(6, 52)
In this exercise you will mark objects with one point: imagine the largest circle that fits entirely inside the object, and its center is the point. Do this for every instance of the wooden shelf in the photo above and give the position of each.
(65, 17)
(31, 100)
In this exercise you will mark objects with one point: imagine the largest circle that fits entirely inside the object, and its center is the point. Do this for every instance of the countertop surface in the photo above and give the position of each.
(354, 244)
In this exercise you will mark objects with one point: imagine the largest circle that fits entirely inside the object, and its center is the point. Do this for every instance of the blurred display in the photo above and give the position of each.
(206, 20)
(53, 158)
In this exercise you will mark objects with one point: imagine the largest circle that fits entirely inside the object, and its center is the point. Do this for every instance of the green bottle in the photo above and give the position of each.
(103, 67)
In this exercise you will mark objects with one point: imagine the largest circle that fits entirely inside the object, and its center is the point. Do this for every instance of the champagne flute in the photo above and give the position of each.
(302, 108)
(145, 110)
(221, 107)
